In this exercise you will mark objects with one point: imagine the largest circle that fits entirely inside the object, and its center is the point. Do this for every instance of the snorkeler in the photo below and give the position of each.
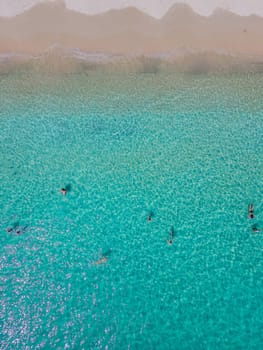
(251, 211)
(63, 191)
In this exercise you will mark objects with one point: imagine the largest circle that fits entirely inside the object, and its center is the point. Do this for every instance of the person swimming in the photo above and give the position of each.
(17, 229)
(63, 191)
(150, 216)
(10, 229)
(255, 229)
(101, 261)
(171, 236)
(251, 214)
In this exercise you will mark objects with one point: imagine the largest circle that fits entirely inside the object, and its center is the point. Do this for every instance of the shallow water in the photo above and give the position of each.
(187, 148)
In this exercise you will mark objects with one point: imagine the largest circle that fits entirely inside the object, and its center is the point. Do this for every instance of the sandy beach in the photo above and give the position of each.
(129, 31)
(51, 37)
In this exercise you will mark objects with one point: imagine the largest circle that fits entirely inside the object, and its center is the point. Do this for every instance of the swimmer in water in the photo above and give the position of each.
(101, 261)
(63, 191)
(251, 211)
(150, 216)
(171, 238)
(17, 229)
(255, 229)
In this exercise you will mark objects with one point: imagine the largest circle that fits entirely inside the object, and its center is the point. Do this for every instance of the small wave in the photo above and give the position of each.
(58, 59)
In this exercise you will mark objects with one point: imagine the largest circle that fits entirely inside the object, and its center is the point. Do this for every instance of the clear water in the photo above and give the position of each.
(189, 149)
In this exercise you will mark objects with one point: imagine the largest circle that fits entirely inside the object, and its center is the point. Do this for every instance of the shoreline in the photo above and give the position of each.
(64, 60)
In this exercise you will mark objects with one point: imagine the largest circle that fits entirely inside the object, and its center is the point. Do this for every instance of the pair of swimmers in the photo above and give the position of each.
(16, 229)
(171, 232)
(10, 229)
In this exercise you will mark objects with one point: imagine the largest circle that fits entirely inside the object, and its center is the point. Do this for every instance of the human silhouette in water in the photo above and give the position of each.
(104, 258)
(255, 229)
(251, 214)
(171, 236)
(101, 261)
(66, 189)
(149, 217)
(63, 191)
(16, 228)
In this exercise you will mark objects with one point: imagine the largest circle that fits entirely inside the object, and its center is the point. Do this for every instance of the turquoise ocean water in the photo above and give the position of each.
(187, 148)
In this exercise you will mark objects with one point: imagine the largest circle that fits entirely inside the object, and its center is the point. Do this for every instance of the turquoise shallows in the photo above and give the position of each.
(189, 149)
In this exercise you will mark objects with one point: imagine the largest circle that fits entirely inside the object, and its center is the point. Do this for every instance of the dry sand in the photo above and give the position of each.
(130, 31)
(182, 36)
